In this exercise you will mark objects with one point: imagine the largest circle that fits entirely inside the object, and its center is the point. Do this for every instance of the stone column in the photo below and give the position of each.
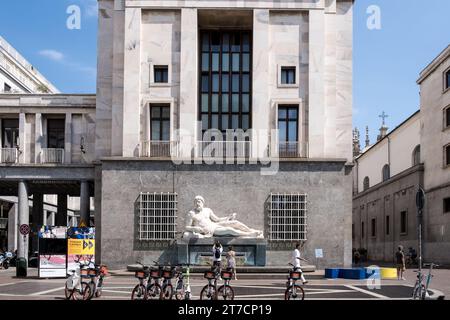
(37, 215)
(188, 72)
(38, 138)
(13, 228)
(24, 218)
(85, 206)
(22, 137)
(68, 139)
(61, 216)
(132, 83)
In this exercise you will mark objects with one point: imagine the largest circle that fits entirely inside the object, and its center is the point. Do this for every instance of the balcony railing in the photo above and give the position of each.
(50, 155)
(289, 149)
(8, 155)
(224, 149)
(159, 149)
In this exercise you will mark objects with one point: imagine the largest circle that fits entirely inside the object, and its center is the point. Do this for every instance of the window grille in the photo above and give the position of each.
(287, 217)
(157, 216)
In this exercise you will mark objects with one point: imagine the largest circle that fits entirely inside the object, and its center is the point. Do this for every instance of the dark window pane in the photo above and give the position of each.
(235, 83)
(165, 131)
(448, 155)
(292, 113)
(166, 112)
(205, 42)
(205, 62)
(215, 62)
(245, 83)
(236, 42)
(55, 133)
(215, 121)
(292, 131)
(225, 82)
(215, 103)
(205, 84)
(235, 103)
(225, 124)
(205, 123)
(447, 205)
(245, 103)
(447, 79)
(225, 101)
(245, 121)
(226, 42)
(236, 60)
(161, 74)
(282, 113)
(448, 116)
(156, 130)
(205, 101)
(215, 42)
(282, 130)
(156, 112)
(215, 82)
(226, 62)
(235, 122)
(288, 75)
(246, 62)
(246, 42)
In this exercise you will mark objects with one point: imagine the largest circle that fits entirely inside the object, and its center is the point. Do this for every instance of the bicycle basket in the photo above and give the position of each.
(155, 274)
(167, 274)
(227, 275)
(295, 275)
(140, 274)
(84, 273)
(210, 275)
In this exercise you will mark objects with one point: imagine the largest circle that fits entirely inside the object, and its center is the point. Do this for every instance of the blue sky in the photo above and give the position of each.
(387, 62)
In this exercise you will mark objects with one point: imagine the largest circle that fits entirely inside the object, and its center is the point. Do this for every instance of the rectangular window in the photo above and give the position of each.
(353, 231)
(10, 133)
(388, 225)
(288, 131)
(362, 230)
(287, 75)
(287, 217)
(6, 88)
(447, 205)
(447, 155)
(403, 222)
(447, 79)
(225, 80)
(447, 117)
(160, 122)
(157, 216)
(56, 133)
(161, 73)
(374, 228)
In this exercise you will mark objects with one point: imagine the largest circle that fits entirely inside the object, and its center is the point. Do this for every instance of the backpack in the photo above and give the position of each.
(217, 253)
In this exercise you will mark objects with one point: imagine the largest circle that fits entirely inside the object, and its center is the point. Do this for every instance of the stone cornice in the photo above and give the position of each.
(434, 64)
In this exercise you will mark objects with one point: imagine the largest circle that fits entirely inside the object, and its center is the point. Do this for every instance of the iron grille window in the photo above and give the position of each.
(225, 80)
(157, 216)
(287, 75)
(161, 74)
(287, 217)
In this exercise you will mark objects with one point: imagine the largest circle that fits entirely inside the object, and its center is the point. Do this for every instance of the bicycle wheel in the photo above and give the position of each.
(225, 293)
(180, 294)
(83, 292)
(92, 288)
(154, 291)
(139, 293)
(208, 293)
(416, 292)
(294, 292)
(68, 292)
(167, 292)
(98, 293)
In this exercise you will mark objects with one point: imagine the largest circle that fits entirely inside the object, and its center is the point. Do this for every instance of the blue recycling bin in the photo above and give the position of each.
(332, 273)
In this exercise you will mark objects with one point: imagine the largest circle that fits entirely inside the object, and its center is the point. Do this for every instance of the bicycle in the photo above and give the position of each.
(225, 291)
(97, 274)
(154, 282)
(182, 289)
(293, 290)
(420, 291)
(209, 292)
(75, 287)
(167, 288)
(140, 290)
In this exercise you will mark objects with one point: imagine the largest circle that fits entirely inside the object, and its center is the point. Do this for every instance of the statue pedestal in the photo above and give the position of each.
(249, 252)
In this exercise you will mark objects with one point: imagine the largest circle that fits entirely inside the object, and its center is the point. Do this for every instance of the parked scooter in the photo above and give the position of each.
(5, 259)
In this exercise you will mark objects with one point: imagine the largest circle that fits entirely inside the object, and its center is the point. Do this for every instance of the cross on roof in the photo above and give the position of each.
(383, 116)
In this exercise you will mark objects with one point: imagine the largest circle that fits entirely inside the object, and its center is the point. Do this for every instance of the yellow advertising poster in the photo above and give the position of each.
(81, 246)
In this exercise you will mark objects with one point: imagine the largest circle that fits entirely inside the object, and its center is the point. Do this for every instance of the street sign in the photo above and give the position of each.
(420, 199)
(319, 253)
(24, 229)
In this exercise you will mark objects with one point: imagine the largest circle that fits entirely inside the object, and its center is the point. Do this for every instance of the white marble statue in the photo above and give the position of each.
(201, 222)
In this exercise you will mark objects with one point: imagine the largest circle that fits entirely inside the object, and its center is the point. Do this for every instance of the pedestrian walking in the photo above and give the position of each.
(400, 263)
(217, 254)
(231, 261)
(296, 258)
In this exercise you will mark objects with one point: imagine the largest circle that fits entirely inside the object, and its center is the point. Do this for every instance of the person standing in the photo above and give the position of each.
(231, 261)
(217, 255)
(400, 263)
(296, 258)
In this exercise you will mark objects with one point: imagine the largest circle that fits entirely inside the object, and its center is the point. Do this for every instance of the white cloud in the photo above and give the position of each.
(52, 54)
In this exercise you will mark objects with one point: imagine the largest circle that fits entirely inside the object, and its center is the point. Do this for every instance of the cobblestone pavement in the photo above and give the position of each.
(120, 284)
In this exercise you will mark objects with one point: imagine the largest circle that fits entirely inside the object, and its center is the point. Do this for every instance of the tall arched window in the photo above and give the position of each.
(366, 183)
(416, 156)
(386, 172)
